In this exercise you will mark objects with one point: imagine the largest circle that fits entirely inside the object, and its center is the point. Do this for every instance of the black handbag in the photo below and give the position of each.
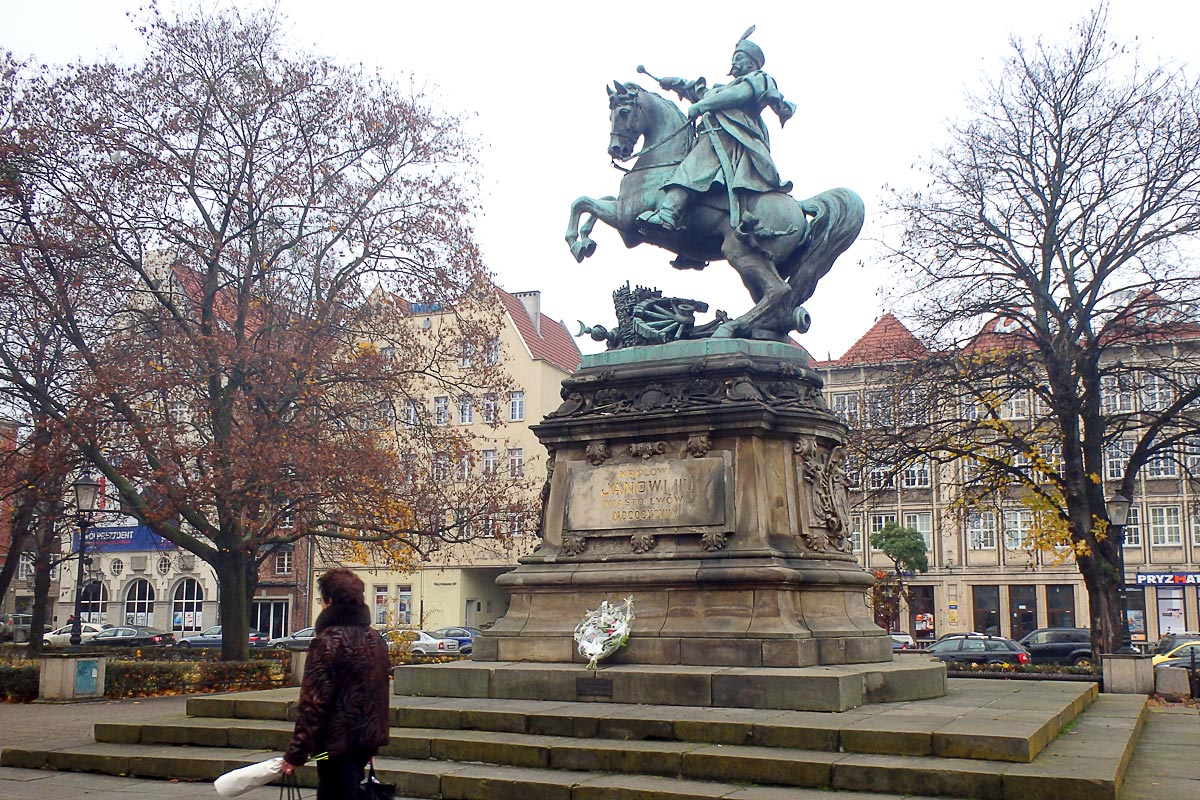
(374, 789)
(289, 788)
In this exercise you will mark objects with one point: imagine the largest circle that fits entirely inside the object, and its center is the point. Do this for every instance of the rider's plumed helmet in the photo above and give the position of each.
(748, 47)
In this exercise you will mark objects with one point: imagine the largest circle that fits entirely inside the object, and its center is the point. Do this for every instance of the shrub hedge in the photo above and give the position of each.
(18, 684)
(127, 678)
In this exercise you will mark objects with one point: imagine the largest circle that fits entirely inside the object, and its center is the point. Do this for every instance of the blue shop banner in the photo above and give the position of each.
(123, 538)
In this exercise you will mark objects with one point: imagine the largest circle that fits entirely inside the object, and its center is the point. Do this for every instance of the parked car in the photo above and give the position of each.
(1170, 641)
(15, 627)
(465, 636)
(979, 650)
(421, 643)
(300, 640)
(1182, 651)
(211, 637)
(903, 641)
(61, 637)
(1059, 646)
(132, 636)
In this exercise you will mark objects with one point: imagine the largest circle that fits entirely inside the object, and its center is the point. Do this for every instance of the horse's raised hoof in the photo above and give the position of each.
(582, 249)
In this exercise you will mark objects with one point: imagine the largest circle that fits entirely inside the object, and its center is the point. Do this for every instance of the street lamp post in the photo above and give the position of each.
(86, 490)
(1117, 507)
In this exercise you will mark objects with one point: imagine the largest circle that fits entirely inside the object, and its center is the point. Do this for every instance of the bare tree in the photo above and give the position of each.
(1048, 258)
(204, 229)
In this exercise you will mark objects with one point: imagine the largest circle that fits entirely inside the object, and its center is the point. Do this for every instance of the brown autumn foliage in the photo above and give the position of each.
(203, 229)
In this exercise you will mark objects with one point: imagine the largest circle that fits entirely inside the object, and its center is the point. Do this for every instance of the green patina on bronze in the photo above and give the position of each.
(705, 187)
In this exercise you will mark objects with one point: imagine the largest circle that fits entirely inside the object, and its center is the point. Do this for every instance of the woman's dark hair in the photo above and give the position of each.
(342, 586)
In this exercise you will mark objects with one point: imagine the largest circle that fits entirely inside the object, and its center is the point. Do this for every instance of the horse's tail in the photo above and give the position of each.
(837, 217)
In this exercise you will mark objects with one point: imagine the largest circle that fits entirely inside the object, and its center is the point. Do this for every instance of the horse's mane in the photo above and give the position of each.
(669, 103)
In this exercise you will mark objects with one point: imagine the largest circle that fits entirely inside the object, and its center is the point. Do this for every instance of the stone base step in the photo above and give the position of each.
(1085, 763)
(827, 688)
(988, 720)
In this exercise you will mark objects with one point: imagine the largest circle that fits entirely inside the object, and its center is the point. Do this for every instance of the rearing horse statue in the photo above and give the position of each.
(780, 247)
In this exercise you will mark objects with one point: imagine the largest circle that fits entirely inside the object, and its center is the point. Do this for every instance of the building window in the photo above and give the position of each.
(491, 462)
(116, 567)
(441, 467)
(139, 603)
(93, 602)
(466, 409)
(464, 467)
(404, 605)
(491, 405)
(881, 521)
(1015, 406)
(283, 562)
(516, 462)
(1136, 601)
(986, 608)
(441, 410)
(981, 530)
(1116, 395)
(1022, 610)
(516, 406)
(1050, 454)
(880, 476)
(492, 352)
(381, 605)
(845, 405)
(25, 566)
(1191, 456)
(1133, 528)
(408, 467)
(1166, 526)
(1162, 465)
(1060, 606)
(412, 413)
(1018, 525)
(164, 565)
(856, 533)
(187, 608)
(1156, 392)
(1116, 458)
(1170, 610)
(466, 358)
(922, 523)
(915, 475)
(879, 409)
(853, 470)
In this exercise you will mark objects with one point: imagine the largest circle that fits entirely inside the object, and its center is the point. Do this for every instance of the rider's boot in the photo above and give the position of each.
(669, 213)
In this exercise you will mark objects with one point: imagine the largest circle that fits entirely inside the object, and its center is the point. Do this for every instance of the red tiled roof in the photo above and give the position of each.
(553, 343)
(887, 340)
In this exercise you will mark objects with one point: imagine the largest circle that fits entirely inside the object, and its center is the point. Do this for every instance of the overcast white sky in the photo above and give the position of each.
(875, 82)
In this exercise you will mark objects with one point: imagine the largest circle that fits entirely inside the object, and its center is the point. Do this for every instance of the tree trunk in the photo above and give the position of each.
(234, 606)
(41, 603)
(1104, 603)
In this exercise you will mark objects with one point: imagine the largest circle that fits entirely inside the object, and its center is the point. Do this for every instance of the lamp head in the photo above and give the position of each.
(1117, 508)
(87, 488)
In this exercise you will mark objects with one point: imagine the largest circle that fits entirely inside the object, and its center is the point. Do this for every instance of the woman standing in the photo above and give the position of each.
(344, 695)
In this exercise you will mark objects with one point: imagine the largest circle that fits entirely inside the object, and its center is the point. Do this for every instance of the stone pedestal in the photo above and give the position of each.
(704, 479)
(1127, 674)
(73, 676)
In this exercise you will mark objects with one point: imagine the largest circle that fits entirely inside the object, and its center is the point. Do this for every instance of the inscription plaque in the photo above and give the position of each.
(593, 687)
(683, 493)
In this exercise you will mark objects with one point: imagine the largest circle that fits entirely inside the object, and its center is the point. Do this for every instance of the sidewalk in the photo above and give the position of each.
(1166, 765)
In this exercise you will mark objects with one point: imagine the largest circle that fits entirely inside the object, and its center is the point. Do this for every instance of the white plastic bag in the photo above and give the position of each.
(243, 779)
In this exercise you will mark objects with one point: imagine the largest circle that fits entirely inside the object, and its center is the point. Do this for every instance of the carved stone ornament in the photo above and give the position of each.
(642, 542)
(714, 540)
(598, 452)
(698, 445)
(824, 477)
(647, 449)
(574, 545)
(690, 391)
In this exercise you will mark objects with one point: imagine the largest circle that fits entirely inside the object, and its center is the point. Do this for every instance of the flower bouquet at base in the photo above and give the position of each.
(604, 631)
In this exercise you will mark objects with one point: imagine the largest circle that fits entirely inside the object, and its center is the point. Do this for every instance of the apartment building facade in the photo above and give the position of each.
(455, 585)
(982, 576)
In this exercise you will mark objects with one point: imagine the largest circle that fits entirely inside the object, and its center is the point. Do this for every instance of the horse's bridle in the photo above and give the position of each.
(627, 138)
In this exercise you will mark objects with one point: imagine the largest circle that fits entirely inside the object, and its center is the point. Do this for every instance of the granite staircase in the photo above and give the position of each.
(996, 740)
